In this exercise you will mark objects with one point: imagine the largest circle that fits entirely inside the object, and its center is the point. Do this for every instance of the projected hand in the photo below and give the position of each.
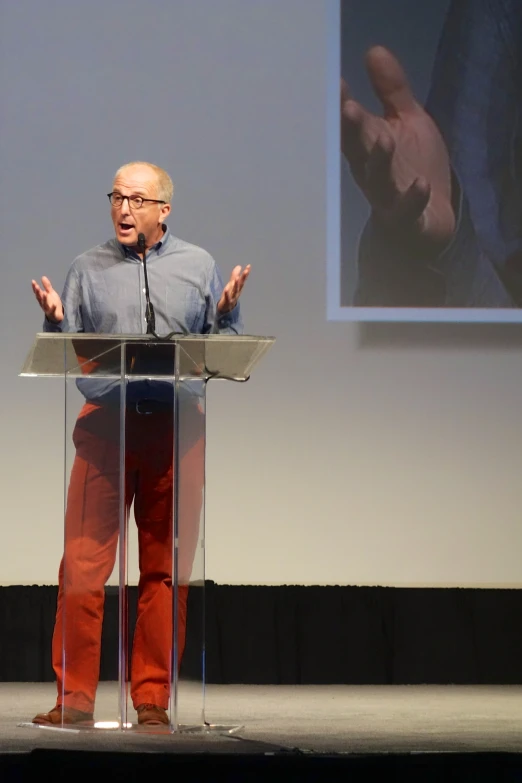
(399, 160)
(232, 290)
(49, 300)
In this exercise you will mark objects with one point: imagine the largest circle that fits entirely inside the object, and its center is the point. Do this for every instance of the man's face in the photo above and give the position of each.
(129, 222)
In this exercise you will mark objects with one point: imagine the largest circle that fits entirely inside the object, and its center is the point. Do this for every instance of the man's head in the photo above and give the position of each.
(145, 181)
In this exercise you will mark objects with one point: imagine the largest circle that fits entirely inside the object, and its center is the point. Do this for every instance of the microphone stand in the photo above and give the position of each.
(150, 316)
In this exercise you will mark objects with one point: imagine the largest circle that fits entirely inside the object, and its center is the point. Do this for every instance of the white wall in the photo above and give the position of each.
(354, 455)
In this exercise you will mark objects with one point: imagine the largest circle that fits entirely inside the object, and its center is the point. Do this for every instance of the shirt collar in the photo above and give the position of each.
(159, 247)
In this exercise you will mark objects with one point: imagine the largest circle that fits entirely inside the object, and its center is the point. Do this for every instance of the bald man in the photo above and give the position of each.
(104, 293)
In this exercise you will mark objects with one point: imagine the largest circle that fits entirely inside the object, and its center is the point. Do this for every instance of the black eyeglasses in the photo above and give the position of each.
(135, 202)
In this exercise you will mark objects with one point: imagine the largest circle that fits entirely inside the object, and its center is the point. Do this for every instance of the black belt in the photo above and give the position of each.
(147, 407)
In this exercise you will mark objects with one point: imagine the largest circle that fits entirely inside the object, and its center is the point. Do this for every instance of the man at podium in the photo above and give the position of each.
(107, 292)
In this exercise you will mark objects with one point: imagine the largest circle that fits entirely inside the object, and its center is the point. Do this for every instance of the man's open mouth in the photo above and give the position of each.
(126, 226)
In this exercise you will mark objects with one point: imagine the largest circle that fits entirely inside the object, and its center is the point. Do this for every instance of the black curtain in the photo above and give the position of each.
(302, 635)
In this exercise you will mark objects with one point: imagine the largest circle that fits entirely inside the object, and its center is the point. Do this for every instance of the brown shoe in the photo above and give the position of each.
(67, 716)
(152, 715)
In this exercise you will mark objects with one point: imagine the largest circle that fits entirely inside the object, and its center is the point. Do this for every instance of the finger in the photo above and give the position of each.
(408, 209)
(410, 205)
(235, 273)
(243, 276)
(48, 307)
(389, 81)
(226, 292)
(356, 135)
(233, 294)
(242, 280)
(380, 187)
(47, 284)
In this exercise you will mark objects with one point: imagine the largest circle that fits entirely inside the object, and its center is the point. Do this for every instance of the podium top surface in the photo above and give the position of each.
(117, 356)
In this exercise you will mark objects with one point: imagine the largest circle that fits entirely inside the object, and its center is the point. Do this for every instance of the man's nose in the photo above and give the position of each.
(125, 206)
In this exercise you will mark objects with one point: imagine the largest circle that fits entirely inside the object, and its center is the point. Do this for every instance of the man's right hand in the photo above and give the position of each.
(49, 300)
(399, 160)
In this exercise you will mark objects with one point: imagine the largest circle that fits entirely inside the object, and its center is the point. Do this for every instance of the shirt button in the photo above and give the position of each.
(144, 291)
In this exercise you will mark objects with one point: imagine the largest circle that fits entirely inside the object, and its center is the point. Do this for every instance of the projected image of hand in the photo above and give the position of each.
(48, 299)
(399, 160)
(232, 290)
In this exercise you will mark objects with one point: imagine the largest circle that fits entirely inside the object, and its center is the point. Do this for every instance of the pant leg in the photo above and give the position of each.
(91, 538)
(151, 657)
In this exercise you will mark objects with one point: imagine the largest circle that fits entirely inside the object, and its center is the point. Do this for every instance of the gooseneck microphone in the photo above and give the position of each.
(149, 309)
(150, 316)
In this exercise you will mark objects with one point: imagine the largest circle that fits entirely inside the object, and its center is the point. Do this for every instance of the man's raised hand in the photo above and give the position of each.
(49, 300)
(232, 290)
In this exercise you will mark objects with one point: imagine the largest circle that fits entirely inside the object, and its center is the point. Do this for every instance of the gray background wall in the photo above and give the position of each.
(372, 455)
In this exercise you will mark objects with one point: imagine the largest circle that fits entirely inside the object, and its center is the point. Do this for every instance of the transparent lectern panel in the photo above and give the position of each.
(90, 632)
(202, 356)
(135, 438)
(187, 700)
(231, 357)
(163, 427)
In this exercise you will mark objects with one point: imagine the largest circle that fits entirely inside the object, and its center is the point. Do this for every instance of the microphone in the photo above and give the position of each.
(149, 309)
(150, 316)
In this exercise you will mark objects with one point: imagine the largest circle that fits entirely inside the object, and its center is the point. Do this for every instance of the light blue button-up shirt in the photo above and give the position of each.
(104, 292)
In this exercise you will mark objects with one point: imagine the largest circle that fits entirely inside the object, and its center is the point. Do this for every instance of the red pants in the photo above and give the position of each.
(91, 539)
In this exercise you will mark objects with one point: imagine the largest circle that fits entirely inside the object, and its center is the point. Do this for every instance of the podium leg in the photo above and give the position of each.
(187, 701)
(188, 560)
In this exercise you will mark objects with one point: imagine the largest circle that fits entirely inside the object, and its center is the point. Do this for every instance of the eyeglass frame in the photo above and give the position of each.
(130, 198)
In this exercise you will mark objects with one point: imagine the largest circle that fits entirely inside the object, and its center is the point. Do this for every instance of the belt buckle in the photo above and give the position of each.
(142, 413)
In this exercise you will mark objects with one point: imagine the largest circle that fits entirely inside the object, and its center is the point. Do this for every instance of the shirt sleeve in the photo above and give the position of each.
(215, 323)
(71, 301)
(461, 276)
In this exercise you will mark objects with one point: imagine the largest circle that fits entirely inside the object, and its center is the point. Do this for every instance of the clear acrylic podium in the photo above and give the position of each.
(135, 428)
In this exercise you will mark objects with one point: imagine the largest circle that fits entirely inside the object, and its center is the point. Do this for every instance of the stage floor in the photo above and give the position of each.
(320, 719)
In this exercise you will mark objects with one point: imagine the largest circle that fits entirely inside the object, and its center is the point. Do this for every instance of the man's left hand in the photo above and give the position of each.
(232, 290)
